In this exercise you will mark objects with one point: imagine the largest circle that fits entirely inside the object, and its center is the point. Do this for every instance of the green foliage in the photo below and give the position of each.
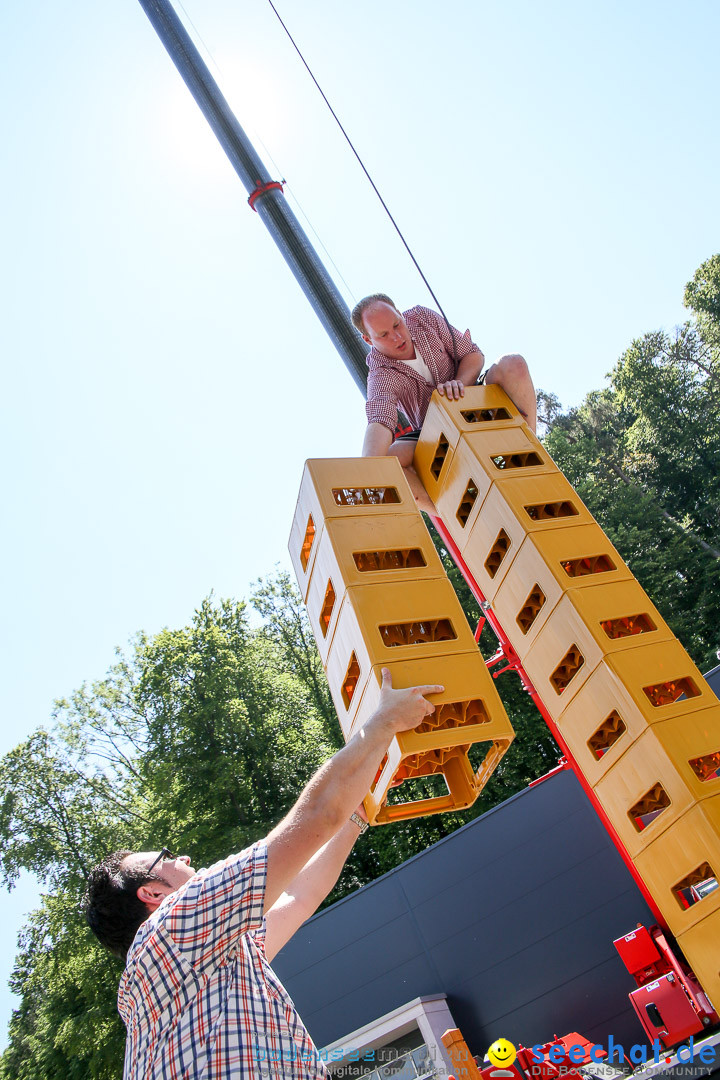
(229, 732)
(200, 738)
(644, 454)
(702, 296)
(286, 626)
(67, 1024)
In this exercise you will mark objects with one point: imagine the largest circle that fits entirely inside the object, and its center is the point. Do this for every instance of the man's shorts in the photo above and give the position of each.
(414, 435)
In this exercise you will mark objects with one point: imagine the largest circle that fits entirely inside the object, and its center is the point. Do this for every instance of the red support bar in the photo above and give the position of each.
(562, 766)
(507, 652)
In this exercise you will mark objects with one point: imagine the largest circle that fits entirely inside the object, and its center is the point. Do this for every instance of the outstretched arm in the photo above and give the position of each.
(339, 785)
(304, 895)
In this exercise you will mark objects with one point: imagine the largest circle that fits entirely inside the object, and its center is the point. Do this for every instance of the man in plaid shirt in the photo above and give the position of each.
(198, 995)
(414, 353)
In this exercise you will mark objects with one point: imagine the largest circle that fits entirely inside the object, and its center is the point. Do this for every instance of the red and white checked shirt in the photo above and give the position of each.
(393, 384)
(198, 997)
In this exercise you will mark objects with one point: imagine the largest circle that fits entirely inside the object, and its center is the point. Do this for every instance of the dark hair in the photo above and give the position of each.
(112, 908)
(362, 305)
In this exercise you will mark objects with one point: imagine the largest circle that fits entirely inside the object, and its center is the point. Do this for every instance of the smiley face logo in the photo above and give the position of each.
(502, 1053)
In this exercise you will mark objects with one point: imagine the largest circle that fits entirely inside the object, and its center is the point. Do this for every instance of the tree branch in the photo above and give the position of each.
(668, 517)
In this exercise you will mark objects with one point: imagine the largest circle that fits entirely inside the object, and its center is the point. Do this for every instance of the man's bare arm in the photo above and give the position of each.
(304, 895)
(468, 370)
(378, 440)
(340, 785)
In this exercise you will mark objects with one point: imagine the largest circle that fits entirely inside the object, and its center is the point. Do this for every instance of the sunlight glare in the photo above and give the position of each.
(256, 100)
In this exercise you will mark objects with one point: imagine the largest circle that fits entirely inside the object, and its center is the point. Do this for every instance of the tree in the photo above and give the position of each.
(55, 819)
(644, 454)
(200, 738)
(702, 297)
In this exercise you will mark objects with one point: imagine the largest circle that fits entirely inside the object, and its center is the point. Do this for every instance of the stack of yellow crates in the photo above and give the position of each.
(640, 721)
(377, 596)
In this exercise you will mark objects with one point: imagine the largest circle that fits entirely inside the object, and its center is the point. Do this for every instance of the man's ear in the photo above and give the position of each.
(367, 339)
(153, 893)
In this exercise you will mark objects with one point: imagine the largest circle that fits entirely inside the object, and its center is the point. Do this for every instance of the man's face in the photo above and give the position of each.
(173, 872)
(386, 329)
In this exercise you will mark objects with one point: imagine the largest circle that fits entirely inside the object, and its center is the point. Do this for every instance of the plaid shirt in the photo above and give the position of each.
(198, 996)
(393, 384)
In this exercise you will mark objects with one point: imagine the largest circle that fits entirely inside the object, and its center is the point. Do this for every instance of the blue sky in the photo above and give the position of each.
(553, 166)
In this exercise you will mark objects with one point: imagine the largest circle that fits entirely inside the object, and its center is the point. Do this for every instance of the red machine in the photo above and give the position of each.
(562, 1057)
(669, 1001)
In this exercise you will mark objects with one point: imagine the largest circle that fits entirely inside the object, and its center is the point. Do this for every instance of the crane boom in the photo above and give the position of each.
(265, 194)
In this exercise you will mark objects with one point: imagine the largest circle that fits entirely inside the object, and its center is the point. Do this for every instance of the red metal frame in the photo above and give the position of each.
(507, 652)
(262, 189)
(667, 990)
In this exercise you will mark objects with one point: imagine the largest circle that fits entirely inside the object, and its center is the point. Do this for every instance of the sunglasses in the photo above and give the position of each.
(166, 853)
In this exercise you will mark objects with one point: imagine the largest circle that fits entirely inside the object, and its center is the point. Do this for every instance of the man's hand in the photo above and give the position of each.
(404, 709)
(453, 389)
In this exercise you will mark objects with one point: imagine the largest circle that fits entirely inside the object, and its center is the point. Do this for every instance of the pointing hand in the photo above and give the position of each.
(405, 709)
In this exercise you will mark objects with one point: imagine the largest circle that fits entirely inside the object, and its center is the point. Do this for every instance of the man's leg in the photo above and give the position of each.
(404, 451)
(511, 373)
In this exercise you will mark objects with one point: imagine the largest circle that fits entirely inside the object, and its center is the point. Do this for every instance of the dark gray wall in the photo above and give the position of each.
(513, 917)
(713, 677)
